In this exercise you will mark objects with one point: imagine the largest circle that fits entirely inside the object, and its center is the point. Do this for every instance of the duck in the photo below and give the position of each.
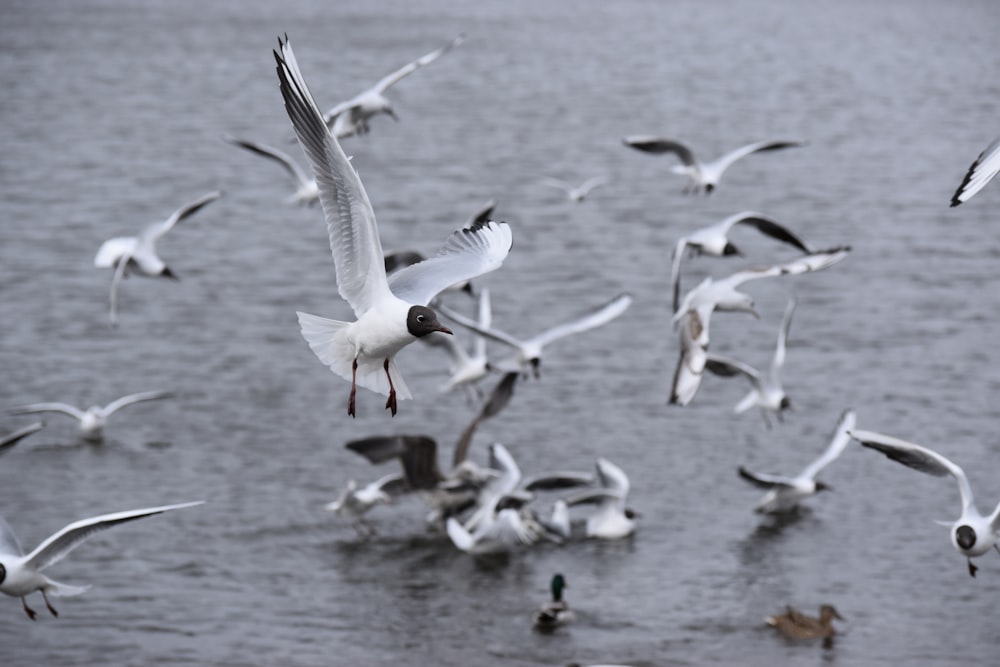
(555, 612)
(796, 625)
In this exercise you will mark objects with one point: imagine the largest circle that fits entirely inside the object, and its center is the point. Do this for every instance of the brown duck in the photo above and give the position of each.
(796, 625)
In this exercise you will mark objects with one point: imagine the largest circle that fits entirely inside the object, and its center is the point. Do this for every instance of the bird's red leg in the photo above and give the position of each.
(354, 388)
(391, 403)
(52, 609)
(28, 610)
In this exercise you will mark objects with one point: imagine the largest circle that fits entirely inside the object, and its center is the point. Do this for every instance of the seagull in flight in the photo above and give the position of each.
(768, 392)
(352, 117)
(702, 175)
(785, 493)
(21, 574)
(93, 419)
(714, 240)
(980, 173)
(528, 352)
(972, 534)
(392, 312)
(576, 193)
(307, 192)
(138, 253)
(355, 503)
(11, 439)
(467, 367)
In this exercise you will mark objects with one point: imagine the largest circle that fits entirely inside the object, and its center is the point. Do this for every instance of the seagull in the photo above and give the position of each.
(355, 503)
(351, 117)
(307, 192)
(467, 368)
(93, 419)
(21, 575)
(980, 173)
(612, 520)
(556, 611)
(972, 534)
(497, 533)
(714, 240)
(576, 193)
(138, 253)
(784, 493)
(693, 315)
(392, 313)
(11, 439)
(702, 175)
(504, 484)
(768, 392)
(528, 352)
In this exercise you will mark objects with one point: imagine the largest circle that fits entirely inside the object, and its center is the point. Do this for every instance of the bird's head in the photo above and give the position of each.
(730, 250)
(823, 486)
(786, 403)
(167, 273)
(965, 537)
(421, 320)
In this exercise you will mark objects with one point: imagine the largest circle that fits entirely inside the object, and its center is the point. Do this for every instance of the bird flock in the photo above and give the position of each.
(397, 300)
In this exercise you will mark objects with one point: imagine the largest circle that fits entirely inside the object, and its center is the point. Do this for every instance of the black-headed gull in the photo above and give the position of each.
(392, 312)
(972, 534)
(306, 190)
(611, 520)
(702, 175)
(11, 439)
(355, 502)
(576, 193)
(21, 574)
(528, 352)
(93, 419)
(499, 532)
(138, 253)
(694, 314)
(981, 172)
(767, 393)
(714, 241)
(351, 117)
(785, 493)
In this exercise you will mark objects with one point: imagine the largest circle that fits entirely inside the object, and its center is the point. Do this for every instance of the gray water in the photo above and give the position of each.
(113, 115)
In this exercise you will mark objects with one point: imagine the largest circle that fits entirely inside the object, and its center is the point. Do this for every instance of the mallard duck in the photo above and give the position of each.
(555, 612)
(796, 625)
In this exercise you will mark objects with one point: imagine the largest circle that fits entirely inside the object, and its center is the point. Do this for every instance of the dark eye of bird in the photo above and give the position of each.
(3, 573)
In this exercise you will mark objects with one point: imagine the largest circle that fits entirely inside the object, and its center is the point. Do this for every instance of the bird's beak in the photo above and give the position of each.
(443, 329)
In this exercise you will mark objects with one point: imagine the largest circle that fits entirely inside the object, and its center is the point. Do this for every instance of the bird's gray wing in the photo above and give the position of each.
(116, 281)
(120, 403)
(769, 227)
(727, 367)
(409, 68)
(764, 480)
(723, 162)
(279, 156)
(64, 408)
(492, 333)
(12, 439)
(981, 172)
(156, 230)
(557, 480)
(841, 438)
(659, 145)
(9, 544)
(590, 320)
(778, 361)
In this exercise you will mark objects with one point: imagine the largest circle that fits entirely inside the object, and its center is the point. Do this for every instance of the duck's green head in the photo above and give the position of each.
(558, 584)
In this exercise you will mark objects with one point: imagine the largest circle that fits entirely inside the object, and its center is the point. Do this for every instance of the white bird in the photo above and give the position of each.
(972, 534)
(767, 393)
(576, 193)
(12, 439)
(497, 533)
(611, 520)
(497, 488)
(981, 172)
(138, 253)
(355, 503)
(22, 574)
(306, 190)
(392, 313)
(785, 493)
(714, 241)
(693, 315)
(93, 419)
(351, 117)
(702, 175)
(466, 368)
(528, 352)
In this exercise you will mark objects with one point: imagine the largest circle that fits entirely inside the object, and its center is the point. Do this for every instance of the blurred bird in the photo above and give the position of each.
(306, 190)
(93, 419)
(11, 439)
(576, 193)
(556, 611)
(611, 520)
(138, 253)
(21, 574)
(796, 625)
(355, 503)
(981, 172)
(466, 368)
(497, 401)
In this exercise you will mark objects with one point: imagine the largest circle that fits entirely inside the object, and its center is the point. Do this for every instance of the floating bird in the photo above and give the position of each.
(612, 520)
(785, 493)
(702, 175)
(972, 534)
(498, 532)
(556, 611)
(768, 393)
(714, 240)
(392, 313)
(576, 193)
(21, 575)
(494, 491)
(11, 439)
(351, 117)
(138, 253)
(306, 190)
(710, 295)
(355, 503)
(528, 352)
(796, 625)
(980, 173)
(93, 419)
